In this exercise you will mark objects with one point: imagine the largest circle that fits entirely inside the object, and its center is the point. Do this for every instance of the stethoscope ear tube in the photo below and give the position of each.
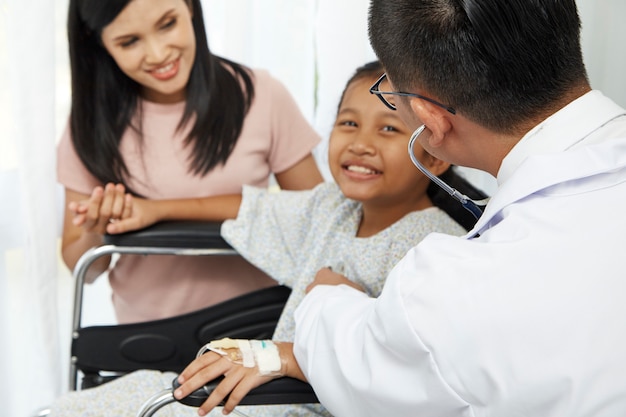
(469, 204)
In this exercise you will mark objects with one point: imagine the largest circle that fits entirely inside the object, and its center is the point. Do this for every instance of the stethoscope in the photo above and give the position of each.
(469, 204)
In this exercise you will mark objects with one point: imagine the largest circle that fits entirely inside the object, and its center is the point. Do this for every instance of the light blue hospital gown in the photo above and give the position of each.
(290, 235)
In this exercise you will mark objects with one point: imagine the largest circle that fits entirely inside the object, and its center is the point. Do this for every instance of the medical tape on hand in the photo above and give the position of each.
(247, 355)
(266, 355)
(263, 354)
(206, 348)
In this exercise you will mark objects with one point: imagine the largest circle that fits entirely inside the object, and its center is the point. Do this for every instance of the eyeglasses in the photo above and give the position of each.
(375, 89)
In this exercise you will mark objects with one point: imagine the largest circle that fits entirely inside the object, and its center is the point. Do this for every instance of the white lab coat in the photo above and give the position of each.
(526, 320)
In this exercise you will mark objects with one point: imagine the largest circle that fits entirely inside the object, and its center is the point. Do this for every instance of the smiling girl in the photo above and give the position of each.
(155, 114)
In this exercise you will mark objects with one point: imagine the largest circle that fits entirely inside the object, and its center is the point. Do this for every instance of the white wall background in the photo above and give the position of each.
(296, 40)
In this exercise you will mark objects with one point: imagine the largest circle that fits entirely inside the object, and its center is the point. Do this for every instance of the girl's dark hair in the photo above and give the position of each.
(105, 100)
(437, 195)
(373, 69)
(444, 201)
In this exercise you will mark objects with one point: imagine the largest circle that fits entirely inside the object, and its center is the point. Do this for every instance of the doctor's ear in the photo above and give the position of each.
(435, 165)
(434, 117)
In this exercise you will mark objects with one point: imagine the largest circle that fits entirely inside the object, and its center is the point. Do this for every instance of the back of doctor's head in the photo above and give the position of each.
(499, 63)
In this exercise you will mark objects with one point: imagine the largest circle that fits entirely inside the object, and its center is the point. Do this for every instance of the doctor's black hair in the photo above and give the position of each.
(437, 195)
(105, 101)
(499, 63)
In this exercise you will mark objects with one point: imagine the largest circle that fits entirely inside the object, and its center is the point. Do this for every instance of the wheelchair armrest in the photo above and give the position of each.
(284, 390)
(173, 234)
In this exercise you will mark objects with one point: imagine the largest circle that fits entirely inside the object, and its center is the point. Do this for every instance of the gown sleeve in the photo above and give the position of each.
(272, 227)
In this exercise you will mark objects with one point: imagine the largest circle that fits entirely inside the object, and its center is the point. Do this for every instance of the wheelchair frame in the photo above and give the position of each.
(167, 238)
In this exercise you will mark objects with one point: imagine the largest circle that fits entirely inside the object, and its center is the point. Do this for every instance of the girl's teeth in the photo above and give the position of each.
(361, 170)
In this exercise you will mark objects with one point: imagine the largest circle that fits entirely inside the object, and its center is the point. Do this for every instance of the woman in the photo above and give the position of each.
(155, 113)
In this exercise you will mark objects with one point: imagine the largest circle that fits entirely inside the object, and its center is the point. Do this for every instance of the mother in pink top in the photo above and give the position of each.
(156, 114)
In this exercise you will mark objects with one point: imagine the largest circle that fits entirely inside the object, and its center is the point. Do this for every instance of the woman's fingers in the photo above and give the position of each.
(79, 220)
(128, 206)
(124, 225)
(78, 207)
(119, 200)
(106, 205)
(92, 214)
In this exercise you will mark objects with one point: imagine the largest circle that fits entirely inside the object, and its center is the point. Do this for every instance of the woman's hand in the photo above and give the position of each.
(327, 276)
(237, 382)
(139, 213)
(104, 205)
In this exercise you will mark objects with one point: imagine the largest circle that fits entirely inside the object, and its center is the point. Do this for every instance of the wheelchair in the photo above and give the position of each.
(102, 353)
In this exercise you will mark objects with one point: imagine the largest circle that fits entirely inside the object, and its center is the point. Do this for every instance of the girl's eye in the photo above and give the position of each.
(346, 123)
(390, 129)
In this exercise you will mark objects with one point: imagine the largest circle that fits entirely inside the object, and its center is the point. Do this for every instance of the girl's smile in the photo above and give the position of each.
(360, 171)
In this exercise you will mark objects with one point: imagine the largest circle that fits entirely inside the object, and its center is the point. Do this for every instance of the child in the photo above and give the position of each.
(360, 226)
(155, 112)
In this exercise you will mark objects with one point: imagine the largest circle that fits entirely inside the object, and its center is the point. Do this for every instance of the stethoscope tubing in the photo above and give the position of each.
(469, 204)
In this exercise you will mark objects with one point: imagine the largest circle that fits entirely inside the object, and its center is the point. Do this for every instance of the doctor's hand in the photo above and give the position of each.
(327, 276)
(105, 204)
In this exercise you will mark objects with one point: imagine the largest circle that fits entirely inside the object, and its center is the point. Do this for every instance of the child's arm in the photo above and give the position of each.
(145, 212)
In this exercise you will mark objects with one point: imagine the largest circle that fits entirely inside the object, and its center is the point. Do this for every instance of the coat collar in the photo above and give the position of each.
(529, 167)
(561, 131)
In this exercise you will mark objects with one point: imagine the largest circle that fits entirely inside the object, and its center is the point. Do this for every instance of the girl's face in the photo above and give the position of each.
(368, 152)
(153, 43)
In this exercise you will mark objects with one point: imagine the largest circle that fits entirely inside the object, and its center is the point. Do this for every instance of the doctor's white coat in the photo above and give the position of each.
(524, 316)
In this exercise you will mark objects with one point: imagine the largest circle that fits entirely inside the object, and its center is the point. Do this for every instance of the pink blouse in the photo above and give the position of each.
(275, 137)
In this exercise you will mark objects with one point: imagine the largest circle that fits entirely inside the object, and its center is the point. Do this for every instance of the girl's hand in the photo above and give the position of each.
(237, 382)
(326, 276)
(103, 206)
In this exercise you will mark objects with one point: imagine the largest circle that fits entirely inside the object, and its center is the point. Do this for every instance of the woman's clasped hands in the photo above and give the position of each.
(110, 209)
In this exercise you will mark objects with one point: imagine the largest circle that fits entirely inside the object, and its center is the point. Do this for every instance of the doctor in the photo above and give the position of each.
(524, 316)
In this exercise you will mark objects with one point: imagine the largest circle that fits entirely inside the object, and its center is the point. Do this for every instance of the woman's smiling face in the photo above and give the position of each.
(153, 43)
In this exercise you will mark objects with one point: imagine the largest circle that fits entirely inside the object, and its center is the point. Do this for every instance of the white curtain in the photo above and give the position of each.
(311, 45)
(30, 347)
(603, 37)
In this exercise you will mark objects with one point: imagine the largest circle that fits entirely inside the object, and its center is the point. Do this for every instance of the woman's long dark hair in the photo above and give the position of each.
(105, 100)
